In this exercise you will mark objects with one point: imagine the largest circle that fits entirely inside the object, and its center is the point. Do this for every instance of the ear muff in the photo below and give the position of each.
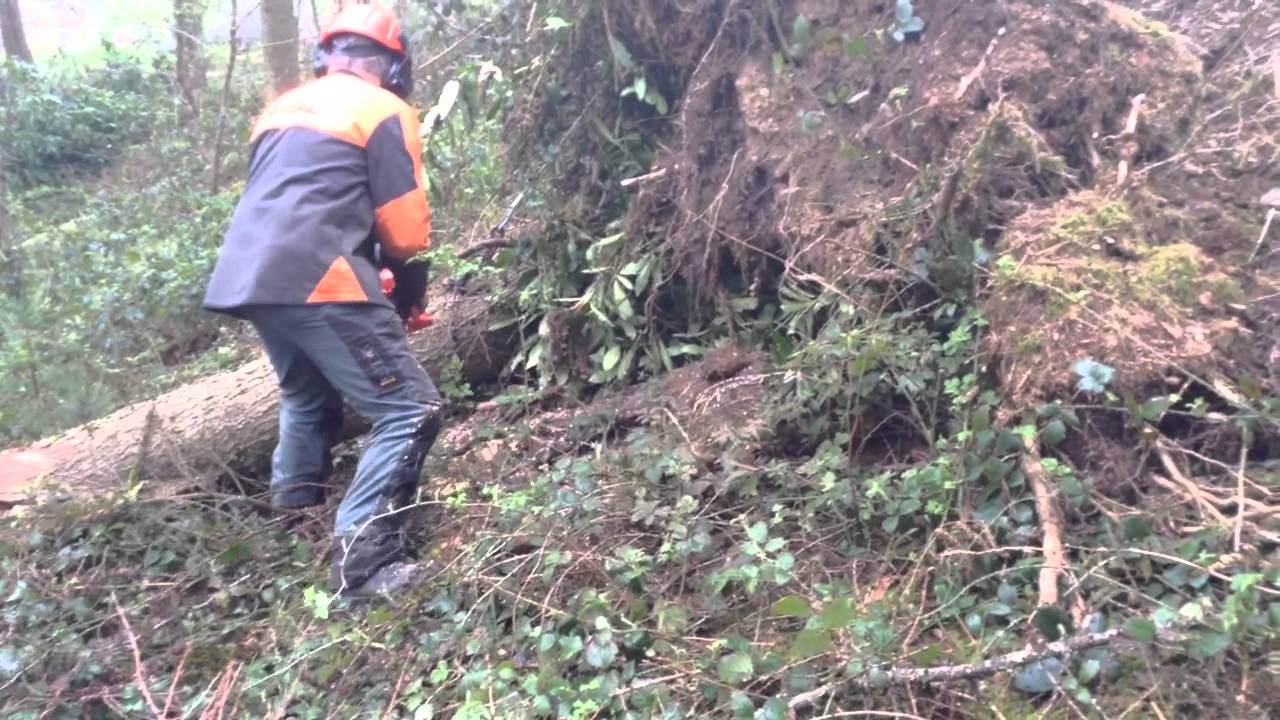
(320, 61)
(399, 76)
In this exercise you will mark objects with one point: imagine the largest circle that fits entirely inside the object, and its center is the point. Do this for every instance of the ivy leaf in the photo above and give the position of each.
(621, 55)
(775, 709)
(981, 419)
(793, 606)
(1053, 622)
(556, 23)
(1208, 645)
(758, 532)
(811, 642)
(1089, 670)
(1007, 593)
(736, 668)
(1153, 409)
(801, 32)
(235, 554)
(1040, 677)
(1054, 432)
(599, 654)
(1094, 376)
(838, 614)
(1135, 528)
(906, 11)
(611, 358)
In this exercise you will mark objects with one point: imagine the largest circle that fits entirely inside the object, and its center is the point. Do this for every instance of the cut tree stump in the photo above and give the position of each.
(223, 424)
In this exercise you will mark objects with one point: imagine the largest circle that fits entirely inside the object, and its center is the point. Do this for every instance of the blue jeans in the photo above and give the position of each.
(321, 354)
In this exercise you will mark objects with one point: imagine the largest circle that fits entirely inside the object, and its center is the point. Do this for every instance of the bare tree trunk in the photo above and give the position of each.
(220, 425)
(188, 31)
(14, 35)
(280, 36)
(215, 177)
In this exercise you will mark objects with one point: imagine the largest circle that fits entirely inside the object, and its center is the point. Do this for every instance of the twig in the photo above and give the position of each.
(483, 247)
(1055, 557)
(655, 175)
(876, 679)
(139, 673)
(177, 676)
(1130, 129)
(1240, 498)
(1189, 487)
(982, 65)
(436, 58)
(218, 707)
(1266, 229)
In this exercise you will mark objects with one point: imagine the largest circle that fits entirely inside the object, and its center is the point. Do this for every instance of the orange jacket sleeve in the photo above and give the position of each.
(402, 216)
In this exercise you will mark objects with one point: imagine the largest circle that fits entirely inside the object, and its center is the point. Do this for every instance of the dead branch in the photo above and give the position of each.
(1130, 129)
(1240, 498)
(974, 74)
(1190, 488)
(655, 175)
(177, 677)
(226, 681)
(876, 679)
(1266, 230)
(483, 247)
(139, 673)
(1055, 556)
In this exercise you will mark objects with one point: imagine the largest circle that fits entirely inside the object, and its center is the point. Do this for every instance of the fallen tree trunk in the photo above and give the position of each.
(224, 424)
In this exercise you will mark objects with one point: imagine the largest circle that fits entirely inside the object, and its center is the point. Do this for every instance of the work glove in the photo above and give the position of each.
(409, 289)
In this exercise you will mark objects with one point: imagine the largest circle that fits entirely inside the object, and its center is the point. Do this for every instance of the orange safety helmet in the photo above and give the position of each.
(377, 24)
(371, 21)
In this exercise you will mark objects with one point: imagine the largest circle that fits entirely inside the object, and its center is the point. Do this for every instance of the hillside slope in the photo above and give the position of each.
(890, 365)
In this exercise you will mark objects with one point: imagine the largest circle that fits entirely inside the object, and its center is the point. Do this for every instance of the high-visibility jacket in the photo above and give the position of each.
(335, 168)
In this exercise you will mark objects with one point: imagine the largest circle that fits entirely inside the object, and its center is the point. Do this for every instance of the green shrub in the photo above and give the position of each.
(64, 119)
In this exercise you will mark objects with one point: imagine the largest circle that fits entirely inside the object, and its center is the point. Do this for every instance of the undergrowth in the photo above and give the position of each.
(867, 510)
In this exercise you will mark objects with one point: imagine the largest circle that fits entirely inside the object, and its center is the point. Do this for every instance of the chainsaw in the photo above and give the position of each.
(416, 318)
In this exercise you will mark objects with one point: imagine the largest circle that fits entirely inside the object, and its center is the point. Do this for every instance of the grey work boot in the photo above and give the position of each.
(388, 581)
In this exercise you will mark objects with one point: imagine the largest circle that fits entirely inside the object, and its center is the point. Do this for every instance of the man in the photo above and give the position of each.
(334, 193)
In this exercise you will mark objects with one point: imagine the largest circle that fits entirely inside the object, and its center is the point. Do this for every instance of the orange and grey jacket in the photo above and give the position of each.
(335, 168)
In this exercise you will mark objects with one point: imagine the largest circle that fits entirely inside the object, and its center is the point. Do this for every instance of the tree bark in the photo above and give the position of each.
(280, 37)
(14, 35)
(189, 62)
(222, 425)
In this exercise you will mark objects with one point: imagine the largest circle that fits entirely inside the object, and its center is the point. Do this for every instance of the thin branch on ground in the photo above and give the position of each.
(877, 679)
(1055, 556)
(139, 672)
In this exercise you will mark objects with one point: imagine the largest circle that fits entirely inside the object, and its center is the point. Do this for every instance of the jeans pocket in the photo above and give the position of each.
(371, 353)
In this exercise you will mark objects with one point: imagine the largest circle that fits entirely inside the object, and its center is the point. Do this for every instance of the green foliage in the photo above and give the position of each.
(104, 271)
(64, 119)
(464, 162)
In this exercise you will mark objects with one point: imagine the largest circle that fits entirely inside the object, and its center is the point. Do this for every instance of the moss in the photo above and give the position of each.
(1175, 271)
(1087, 226)
(1029, 345)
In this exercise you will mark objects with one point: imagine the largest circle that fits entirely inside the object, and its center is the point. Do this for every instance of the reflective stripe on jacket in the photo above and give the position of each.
(335, 167)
